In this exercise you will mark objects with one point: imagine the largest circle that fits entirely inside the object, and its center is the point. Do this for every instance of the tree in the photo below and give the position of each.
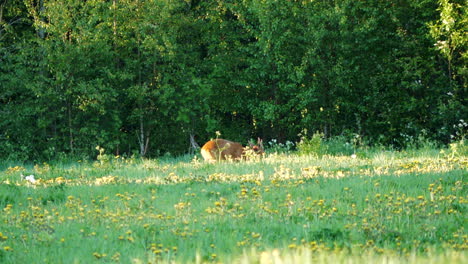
(449, 32)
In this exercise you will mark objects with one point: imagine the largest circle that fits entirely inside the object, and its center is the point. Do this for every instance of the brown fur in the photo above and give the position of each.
(222, 149)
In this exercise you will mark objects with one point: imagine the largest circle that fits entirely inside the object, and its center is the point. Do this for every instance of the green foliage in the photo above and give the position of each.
(141, 77)
(277, 147)
(450, 33)
(458, 148)
(312, 146)
(340, 146)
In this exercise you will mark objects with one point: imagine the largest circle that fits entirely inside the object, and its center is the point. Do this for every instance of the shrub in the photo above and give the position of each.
(314, 145)
(339, 146)
(277, 147)
(458, 148)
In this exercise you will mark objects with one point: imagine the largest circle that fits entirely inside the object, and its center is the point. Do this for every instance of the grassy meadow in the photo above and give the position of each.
(376, 206)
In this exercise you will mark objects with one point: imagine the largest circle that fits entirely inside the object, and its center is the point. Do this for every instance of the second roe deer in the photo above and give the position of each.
(222, 149)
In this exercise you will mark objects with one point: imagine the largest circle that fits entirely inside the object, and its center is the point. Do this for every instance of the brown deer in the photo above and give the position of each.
(222, 149)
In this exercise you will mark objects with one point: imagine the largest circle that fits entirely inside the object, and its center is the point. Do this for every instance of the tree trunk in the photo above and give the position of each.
(193, 145)
(41, 30)
(70, 129)
(1, 16)
(142, 137)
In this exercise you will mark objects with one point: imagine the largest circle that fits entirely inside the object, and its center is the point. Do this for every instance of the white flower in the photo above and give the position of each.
(353, 156)
(441, 44)
(30, 179)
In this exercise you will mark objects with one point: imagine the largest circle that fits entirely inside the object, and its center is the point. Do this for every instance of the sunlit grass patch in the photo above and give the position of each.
(308, 208)
(306, 255)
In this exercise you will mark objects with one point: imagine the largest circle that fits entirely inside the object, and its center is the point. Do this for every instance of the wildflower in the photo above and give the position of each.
(7, 248)
(29, 178)
(98, 256)
(255, 235)
(116, 257)
(8, 208)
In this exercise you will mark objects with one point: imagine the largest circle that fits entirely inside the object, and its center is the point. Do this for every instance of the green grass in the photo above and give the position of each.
(378, 207)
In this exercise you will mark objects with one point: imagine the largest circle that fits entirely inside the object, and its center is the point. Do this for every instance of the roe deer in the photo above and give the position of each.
(222, 149)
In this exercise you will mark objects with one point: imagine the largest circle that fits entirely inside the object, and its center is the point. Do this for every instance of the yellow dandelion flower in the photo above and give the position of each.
(7, 248)
(116, 257)
(98, 255)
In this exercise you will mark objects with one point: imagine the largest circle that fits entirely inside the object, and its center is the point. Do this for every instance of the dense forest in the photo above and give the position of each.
(142, 77)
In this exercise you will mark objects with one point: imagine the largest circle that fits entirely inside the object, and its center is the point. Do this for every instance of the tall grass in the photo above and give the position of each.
(379, 206)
